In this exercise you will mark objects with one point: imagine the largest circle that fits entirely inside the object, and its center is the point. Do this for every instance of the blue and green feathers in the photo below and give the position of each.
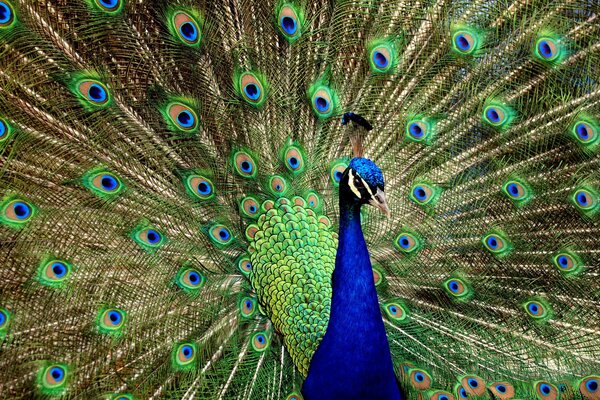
(170, 176)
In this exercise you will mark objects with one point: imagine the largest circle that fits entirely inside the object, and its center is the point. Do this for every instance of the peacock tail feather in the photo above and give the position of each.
(169, 176)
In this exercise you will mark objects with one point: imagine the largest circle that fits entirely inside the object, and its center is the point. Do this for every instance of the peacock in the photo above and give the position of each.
(293, 199)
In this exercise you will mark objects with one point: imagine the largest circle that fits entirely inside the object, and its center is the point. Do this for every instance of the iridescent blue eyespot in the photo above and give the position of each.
(252, 91)
(462, 43)
(220, 234)
(153, 236)
(321, 104)
(6, 14)
(57, 373)
(109, 3)
(592, 385)
(582, 131)
(184, 356)
(419, 377)
(501, 388)
(493, 115)
(186, 27)
(453, 286)
(545, 49)
(188, 31)
(419, 193)
(59, 269)
(185, 119)
(3, 129)
(416, 130)
(260, 342)
(463, 393)
(290, 19)
(473, 383)
(380, 59)
(108, 182)
(22, 210)
(97, 93)
(289, 25)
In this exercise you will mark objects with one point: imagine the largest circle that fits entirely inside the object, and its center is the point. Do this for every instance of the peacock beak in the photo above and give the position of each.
(378, 200)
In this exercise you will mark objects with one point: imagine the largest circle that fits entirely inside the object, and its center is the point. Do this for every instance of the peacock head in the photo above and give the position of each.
(362, 183)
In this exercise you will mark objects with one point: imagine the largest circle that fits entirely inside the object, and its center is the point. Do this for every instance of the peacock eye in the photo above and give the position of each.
(6, 14)
(184, 356)
(186, 27)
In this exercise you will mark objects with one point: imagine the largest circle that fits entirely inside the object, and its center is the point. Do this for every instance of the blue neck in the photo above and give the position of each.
(353, 361)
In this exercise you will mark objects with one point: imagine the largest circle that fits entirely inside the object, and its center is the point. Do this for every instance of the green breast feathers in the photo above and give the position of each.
(292, 251)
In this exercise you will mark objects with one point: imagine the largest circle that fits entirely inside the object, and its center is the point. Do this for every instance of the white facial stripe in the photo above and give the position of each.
(367, 186)
(351, 184)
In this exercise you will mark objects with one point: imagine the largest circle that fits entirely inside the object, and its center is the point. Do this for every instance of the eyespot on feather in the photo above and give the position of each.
(396, 311)
(418, 130)
(517, 190)
(186, 28)
(244, 164)
(109, 6)
(250, 207)
(496, 243)
(382, 56)
(473, 385)
(546, 391)
(337, 171)
(182, 117)
(7, 14)
(290, 21)
(190, 279)
(498, 114)
(5, 317)
(537, 309)
(184, 355)
(549, 49)
(53, 378)
(54, 272)
(441, 395)
(457, 288)
(466, 40)
(247, 307)
(589, 387)
(419, 379)
(149, 238)
(568, 262)
(251, 231)
(313, 200)
(323, 100)
(378, 276)
(502, 390)
(407, 242)
(200, 187)
(277, 185)
(102, 183)
(294, 396)
(260, 341)
(16, 212)
(585, 130)
(584, 199)
(5, 130)
(252, 88)
(294, 160)
(220, 234)
(111, 321)
(94, 92)
(244, 264)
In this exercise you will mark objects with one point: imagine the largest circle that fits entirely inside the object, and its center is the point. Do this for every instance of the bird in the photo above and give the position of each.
(300, 200)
